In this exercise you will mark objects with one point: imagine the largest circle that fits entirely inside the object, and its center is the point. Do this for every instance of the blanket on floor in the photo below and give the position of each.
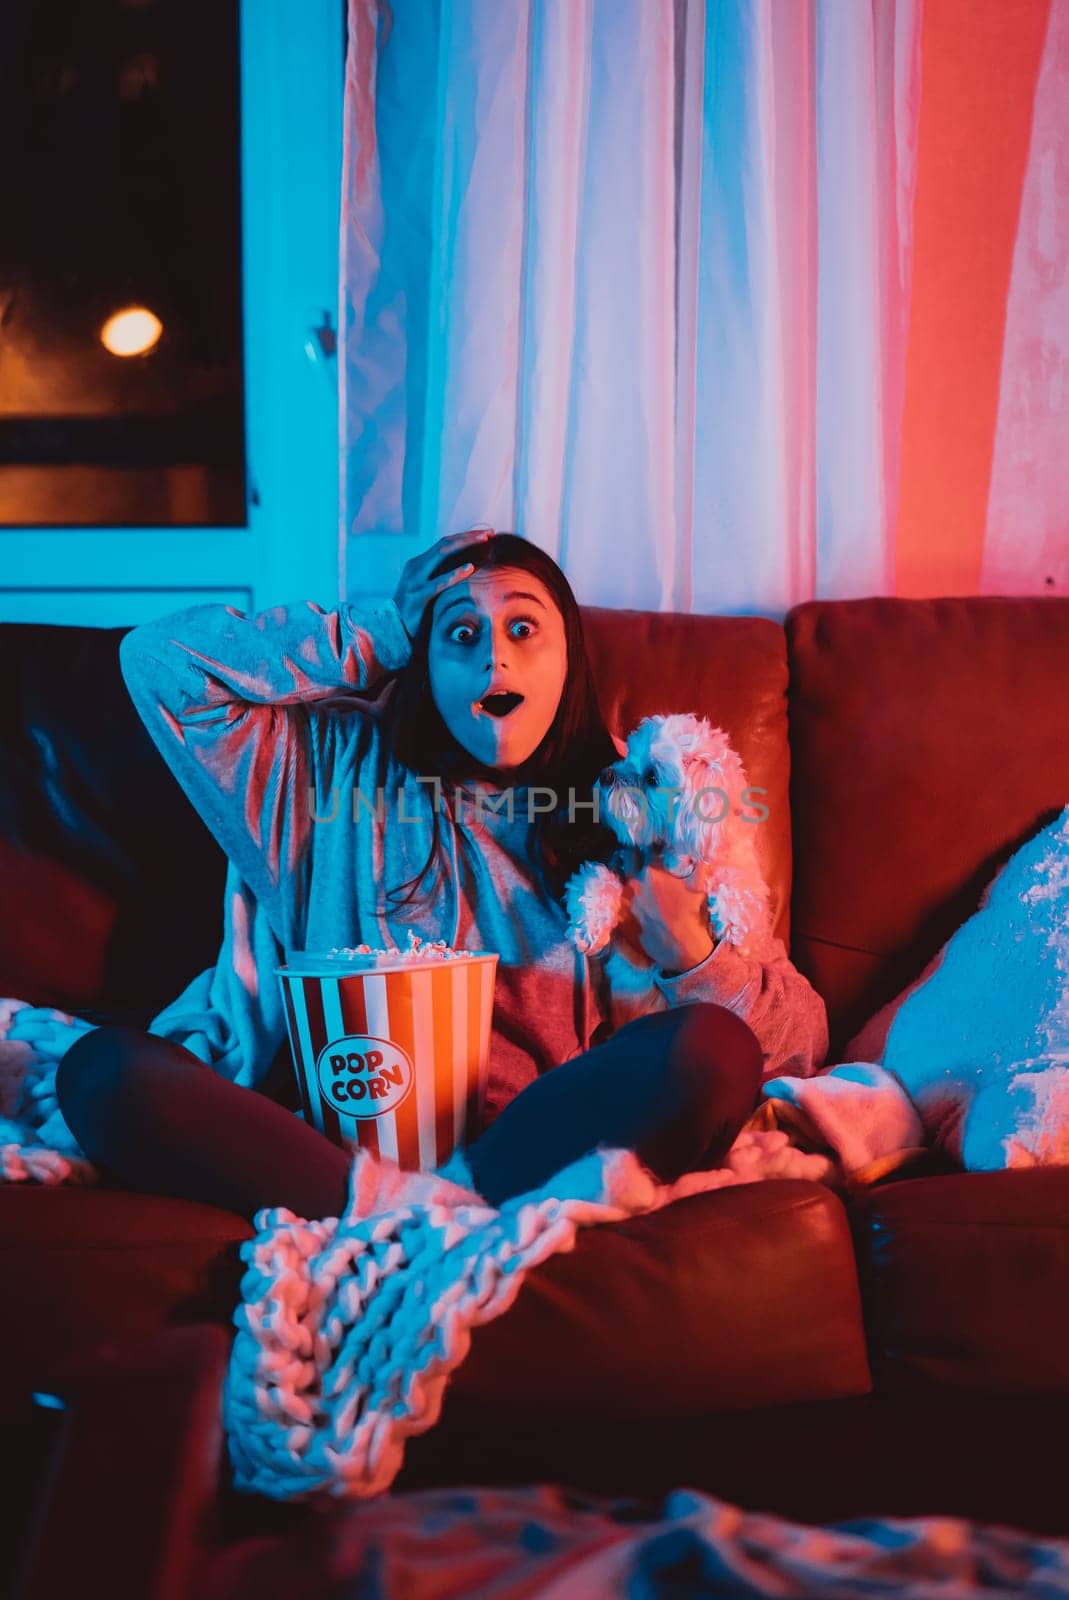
(560, 1543)
(349, 1328)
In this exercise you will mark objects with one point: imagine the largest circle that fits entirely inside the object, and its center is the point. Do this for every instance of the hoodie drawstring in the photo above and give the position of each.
(584, 962)
(454, 939)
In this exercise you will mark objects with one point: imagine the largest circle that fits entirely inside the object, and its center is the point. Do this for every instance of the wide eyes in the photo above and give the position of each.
(467, 627)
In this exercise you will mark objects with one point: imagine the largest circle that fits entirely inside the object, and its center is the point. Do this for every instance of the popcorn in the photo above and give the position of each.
(419, 950)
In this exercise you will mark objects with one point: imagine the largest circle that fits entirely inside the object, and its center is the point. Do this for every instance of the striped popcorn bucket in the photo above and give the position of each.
(392, 1058)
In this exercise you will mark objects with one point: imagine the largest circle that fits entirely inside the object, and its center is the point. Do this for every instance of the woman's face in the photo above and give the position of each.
(497, 634)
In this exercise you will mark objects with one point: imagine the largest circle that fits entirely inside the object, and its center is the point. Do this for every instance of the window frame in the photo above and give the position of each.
(291, 115)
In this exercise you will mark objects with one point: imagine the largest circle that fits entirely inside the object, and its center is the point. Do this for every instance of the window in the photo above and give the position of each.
(284, 543)
(121, 384)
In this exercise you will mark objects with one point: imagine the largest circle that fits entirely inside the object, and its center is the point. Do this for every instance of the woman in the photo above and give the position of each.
(324, 800)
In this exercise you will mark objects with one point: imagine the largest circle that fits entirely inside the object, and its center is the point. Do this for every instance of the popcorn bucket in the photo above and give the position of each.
(391, 1055)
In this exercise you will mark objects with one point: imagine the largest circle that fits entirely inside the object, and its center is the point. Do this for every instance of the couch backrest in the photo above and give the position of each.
(929, 739)
(111, 887)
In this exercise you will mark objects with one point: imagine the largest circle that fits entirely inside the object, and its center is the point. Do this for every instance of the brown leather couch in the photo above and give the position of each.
(903, 1352)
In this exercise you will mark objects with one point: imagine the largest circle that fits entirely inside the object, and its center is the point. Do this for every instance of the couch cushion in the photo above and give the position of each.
(84, 1266)
(741, 1297)
(744, 1296)
(966, 1282)
(924, 751)
(732, 670)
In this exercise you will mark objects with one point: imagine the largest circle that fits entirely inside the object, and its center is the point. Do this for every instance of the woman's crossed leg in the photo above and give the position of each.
(675, 1086)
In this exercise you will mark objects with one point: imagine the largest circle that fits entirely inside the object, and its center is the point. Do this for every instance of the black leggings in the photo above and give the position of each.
(675, 1086)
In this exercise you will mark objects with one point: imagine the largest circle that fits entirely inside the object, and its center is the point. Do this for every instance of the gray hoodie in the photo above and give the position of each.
(261, 721)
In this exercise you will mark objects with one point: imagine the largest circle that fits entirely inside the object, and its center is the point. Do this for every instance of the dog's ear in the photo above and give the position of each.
(714, 783)
(699, 814)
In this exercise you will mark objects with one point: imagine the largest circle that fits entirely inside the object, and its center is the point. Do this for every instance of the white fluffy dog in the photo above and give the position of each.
(675, 798)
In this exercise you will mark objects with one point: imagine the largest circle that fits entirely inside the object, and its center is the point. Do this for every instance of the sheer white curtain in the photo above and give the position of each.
(631, 277)
(1026, 534)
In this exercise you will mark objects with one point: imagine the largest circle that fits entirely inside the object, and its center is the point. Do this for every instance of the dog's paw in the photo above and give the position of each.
(739, 911)
(592, 900)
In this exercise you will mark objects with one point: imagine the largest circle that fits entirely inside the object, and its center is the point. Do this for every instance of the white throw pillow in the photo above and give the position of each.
(980, 1041)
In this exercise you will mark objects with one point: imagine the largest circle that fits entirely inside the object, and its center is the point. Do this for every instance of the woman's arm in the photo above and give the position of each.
(764, 987)
(781, 1006)
(224, 697)
(213, 656)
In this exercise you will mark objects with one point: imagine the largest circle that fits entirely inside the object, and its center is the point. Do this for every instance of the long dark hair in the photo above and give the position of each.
(575, 749)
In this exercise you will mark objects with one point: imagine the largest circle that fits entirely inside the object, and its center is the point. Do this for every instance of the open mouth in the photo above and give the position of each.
(500, 704)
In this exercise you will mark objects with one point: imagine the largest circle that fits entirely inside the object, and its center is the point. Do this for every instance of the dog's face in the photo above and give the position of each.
(679, 781)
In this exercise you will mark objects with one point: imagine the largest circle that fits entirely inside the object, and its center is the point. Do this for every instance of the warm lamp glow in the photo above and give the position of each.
(131, 332)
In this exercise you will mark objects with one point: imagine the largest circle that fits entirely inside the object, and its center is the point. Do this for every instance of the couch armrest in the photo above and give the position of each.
(130, 1502)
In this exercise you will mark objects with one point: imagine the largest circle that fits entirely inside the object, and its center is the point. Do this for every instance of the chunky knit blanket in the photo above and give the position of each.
(36, 1146)
(349, 1328)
